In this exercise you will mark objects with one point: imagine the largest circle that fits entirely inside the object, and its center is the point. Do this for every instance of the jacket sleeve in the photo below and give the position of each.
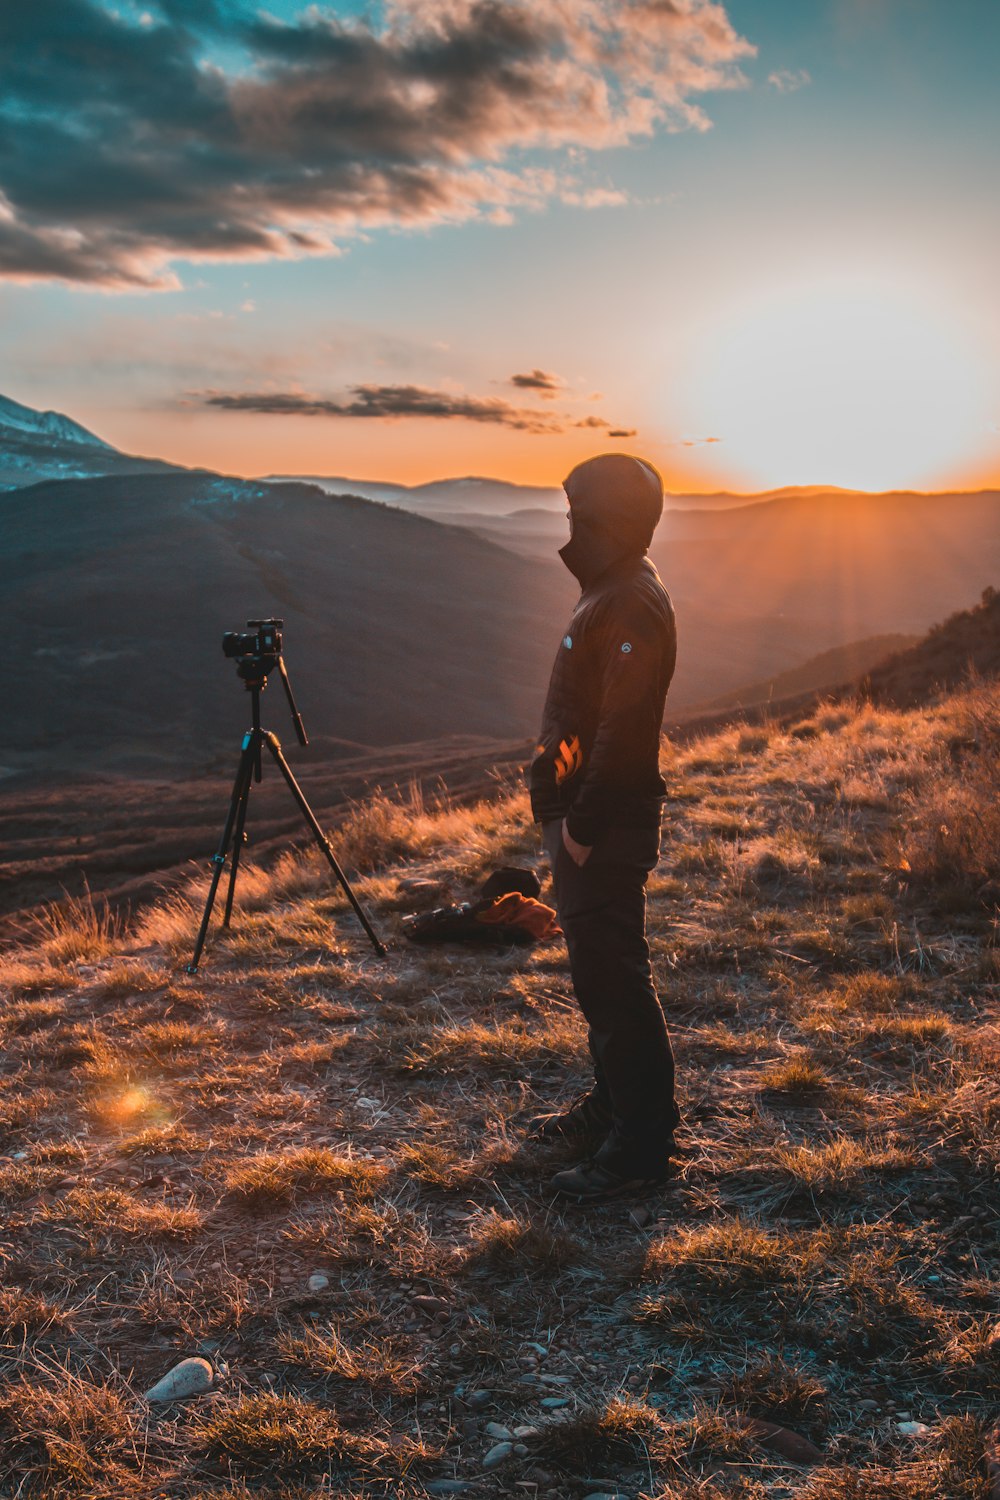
(629, 652)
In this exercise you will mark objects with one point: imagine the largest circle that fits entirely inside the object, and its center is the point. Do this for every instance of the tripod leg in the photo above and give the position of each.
(241, 788)
(239, 838)
(320, 837)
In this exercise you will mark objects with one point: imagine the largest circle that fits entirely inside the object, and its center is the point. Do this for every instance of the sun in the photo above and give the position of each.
(844, 380)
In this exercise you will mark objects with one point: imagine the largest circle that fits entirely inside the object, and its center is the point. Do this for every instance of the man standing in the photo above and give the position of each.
(597, 792)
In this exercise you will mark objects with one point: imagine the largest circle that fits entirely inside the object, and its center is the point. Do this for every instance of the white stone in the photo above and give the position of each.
(192, 1377)
(318, 1282)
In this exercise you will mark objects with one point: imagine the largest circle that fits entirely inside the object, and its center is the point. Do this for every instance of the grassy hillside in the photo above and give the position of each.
(307, 1164)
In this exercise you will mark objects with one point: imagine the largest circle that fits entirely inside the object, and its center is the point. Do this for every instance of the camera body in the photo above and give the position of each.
(262, 638)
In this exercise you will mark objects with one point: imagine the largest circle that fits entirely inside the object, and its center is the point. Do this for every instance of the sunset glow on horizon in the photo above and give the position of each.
(750, 240)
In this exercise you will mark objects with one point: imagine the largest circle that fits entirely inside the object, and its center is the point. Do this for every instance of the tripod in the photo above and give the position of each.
(254, 670)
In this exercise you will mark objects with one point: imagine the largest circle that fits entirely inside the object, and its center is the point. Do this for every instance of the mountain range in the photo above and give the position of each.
(411, 613)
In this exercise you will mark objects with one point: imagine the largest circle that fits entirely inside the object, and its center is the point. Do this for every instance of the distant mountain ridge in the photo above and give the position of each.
(473, 493)
(431, 612)
(40, 445)
(47, 424)
(119, 588)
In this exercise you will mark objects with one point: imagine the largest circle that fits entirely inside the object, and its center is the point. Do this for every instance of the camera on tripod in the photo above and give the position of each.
(257, 653)
(262, 638)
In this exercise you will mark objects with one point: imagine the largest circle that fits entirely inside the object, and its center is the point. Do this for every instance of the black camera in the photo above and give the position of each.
(261, 638)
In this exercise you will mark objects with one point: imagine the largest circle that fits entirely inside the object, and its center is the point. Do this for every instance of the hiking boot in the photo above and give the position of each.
(591, 1183)
(585, 1123)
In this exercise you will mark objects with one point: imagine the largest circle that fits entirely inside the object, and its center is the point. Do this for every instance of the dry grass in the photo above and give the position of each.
(287, 1436)
(271, 1180)
(953, 835)
(310, 1164)
(377, 1366)
(68, 1436)
(78, 929)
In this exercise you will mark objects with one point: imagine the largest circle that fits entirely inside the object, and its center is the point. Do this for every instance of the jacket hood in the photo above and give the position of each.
(615, 502)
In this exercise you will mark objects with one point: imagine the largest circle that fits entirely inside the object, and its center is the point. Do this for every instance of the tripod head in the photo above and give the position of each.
(257, 653)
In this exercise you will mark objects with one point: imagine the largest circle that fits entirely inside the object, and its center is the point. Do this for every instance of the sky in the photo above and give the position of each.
(755, 241)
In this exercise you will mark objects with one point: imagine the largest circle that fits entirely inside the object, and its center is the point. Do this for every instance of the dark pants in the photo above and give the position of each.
(602, 911)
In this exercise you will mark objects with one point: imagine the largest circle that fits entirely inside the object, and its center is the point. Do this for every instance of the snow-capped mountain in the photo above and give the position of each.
(45, 424)
(40, 445)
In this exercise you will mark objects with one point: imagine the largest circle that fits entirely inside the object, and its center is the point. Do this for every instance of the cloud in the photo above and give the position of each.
(386, 401)
(198, 132)
(594, 197)
(787, 80)
(397, 401)
(547, 386)
(609, 427)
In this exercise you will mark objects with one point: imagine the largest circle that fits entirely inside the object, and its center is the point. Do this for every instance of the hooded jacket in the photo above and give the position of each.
(597, 760)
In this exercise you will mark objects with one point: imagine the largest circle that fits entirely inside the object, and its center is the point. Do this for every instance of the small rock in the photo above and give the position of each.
(498, 1454)
(318, 1282)
(640, 1217)
(497, 1430)
(554, 1402)
(521, 1450)
(525, 1432)
(867, 1405)
(192, 1377)
(478, 1399)
(430, 1304)
(446, 1487)
(912, 1429)
(787, 1444)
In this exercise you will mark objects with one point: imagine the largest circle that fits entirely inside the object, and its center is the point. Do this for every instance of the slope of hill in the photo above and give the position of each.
(962, 650)
(119, 590)
(829, 669)
(966, 645)
(128, 839)
(308, 1166)
(398, 628)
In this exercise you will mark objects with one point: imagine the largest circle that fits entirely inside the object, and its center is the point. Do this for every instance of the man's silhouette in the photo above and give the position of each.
(596, 789)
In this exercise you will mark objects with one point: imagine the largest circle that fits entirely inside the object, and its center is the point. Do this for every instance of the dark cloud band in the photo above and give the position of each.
(395, 401)
(128, 145)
